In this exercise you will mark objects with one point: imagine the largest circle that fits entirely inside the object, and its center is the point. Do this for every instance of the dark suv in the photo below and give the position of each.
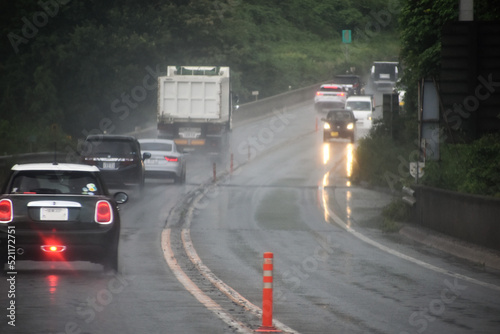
(351, 82)
(339, 123)
(117, 157)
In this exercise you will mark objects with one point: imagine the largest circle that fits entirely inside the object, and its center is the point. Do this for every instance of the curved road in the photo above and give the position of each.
(289, 194)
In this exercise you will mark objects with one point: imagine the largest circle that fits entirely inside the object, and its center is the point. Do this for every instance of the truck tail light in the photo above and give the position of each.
(6, 212)
(103, 212)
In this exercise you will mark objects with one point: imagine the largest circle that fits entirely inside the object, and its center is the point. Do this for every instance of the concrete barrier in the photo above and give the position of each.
(266, 106)
(471, 218)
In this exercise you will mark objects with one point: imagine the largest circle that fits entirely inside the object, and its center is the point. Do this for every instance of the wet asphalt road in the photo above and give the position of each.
(283, 196)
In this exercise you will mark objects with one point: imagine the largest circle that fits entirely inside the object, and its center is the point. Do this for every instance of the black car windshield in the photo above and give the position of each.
(55, 182)
(340, 115)
(156, 147)
(105, 148)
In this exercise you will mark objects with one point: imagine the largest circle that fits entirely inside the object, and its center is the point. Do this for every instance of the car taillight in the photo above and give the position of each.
(6, 212)
(103, 212)
(171, 159)
(53, 248)
(127, 161)
(319, 93)
(340, 94)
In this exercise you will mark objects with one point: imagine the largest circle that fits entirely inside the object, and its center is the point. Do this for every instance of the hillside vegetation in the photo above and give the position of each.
(70, 68)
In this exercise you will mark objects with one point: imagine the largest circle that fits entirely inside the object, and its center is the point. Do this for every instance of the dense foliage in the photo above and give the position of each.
(73, 67)
(470, 168)
(383, 159)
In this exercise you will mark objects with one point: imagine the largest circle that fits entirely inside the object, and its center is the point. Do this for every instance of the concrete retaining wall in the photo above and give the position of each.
(472, 218)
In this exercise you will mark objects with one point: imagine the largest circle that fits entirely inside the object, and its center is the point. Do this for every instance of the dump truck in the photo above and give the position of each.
(195, 107)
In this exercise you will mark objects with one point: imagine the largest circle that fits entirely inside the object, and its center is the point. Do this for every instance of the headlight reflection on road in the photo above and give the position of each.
(348, 208)
(326, 153)
(324, 194)
(350, 149)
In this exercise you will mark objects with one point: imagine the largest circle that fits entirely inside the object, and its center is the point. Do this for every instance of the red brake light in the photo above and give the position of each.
(319, 93)
(103, 212)
(171, 159)
(53, 248)
(6, 212)
(341, 94)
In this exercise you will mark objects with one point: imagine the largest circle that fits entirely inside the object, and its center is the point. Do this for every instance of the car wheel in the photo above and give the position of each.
(352, 138)
(325, 137)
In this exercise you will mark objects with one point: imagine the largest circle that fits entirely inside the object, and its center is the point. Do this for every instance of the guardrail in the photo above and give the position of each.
(245, 112)
(266, 106)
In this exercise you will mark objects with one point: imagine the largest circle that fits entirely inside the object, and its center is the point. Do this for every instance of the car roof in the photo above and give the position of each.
(346, 76)
(359, 98)
(54, 167)
(155, 140)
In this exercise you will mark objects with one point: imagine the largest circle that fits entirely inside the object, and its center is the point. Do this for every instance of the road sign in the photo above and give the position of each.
(346, 36)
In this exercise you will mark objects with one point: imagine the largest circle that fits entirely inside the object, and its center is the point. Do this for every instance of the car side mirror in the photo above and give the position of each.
(146, 155)
(121, 197)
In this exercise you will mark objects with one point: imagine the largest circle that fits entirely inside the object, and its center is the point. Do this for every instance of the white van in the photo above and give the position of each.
(363, 108)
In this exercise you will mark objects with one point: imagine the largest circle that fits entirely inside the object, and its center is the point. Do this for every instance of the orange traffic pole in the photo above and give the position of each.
(267, 295)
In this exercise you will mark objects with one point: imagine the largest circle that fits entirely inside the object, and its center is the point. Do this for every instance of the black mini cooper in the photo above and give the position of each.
(58, 212)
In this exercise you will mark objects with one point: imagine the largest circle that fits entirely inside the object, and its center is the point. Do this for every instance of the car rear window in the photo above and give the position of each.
(55, 182)
(118, 148)
(156, 147)
(331, 89)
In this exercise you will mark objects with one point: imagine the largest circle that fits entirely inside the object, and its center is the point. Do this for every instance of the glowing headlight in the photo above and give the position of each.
(350, 126)
(326, 126)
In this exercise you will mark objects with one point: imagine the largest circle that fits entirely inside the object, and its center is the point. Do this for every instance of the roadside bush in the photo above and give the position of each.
(470, 168)
(378, 158)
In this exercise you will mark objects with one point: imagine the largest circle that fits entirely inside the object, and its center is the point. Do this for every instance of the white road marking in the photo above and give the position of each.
(384, 248)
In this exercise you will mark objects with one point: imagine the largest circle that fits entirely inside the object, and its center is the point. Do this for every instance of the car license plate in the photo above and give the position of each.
(53, 213)
(108, 165)
(189, 134)
(334, 134)
(151, 161)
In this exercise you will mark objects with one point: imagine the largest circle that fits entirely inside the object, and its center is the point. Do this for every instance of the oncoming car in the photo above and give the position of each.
(339, 123)
(59, 212)
(165, 160)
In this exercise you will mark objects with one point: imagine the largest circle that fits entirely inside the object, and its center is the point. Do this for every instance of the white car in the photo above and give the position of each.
(362, 107)
(165, 161)
(330, 96)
